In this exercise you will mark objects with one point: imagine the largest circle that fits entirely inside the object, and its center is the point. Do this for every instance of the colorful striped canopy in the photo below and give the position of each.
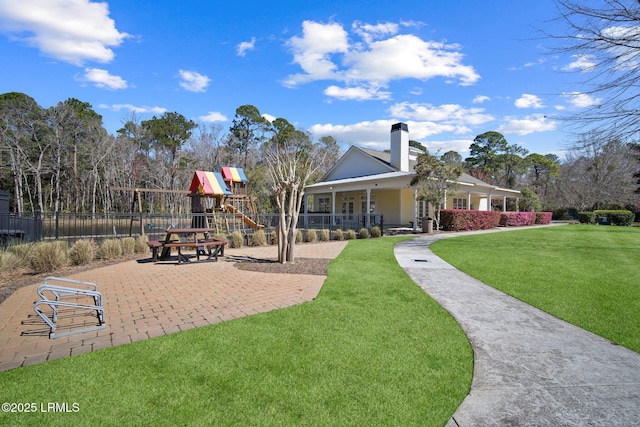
(208, 184)
(233, 174)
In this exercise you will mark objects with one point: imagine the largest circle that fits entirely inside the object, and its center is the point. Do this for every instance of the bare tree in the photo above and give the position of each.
(292, 159)
(598, 171)
(604, 41)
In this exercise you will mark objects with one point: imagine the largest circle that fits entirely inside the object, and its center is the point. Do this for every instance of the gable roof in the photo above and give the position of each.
(358, 162)
(362, 165)
(207, 183)
(233, 174)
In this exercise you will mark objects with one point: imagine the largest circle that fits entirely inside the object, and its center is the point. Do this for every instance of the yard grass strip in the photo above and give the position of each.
(586, 275)
(372, 349)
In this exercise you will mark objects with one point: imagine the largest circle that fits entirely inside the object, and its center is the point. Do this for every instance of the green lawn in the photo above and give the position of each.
(586, 275)
(372, 349)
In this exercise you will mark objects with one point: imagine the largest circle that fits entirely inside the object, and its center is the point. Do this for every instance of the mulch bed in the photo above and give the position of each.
(314, 266)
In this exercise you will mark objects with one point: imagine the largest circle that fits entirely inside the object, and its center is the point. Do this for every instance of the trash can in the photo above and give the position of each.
(427, 225)
(604, 220)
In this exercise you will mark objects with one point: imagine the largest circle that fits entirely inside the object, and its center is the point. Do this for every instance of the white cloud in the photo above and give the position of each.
(74, 31)
(213, 116)
(525, 126)
(102, 79)
(313, 51)
(356, 93)
(269, 117)
(324, 52)
(133, 108)
(528, 101)
(370, 32)
(480, 99)
(461, 146)
(243, 47)
(625, 42)
(582, 63)
(540, 61)
(448, 113)
(581, 100)
(375, 134)
(194, 81)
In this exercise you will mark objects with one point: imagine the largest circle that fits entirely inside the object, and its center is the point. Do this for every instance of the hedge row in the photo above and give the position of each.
(606, 217)
(462, 219)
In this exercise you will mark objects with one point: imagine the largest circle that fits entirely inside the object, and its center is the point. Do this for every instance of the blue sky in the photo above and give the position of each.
(450, 70)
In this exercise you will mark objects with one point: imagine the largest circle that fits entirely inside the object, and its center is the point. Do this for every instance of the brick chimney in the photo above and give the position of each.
(400, 146)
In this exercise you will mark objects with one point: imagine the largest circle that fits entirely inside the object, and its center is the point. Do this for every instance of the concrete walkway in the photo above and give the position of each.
(530, 368)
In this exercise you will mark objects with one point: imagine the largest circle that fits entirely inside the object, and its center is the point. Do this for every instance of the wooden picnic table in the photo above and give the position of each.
(196, 238)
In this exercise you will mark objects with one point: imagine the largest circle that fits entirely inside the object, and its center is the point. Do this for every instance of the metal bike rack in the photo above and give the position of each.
(51, 295)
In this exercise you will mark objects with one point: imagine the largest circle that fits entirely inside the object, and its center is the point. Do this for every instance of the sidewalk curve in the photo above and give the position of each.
(530, 368)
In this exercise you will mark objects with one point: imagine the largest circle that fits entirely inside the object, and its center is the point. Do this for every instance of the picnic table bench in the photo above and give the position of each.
(188, 238)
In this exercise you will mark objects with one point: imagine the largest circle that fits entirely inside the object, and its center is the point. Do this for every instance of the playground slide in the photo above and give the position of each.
(251, 223)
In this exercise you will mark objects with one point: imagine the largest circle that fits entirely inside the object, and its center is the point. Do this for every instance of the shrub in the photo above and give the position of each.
(10, 262)
(259, 238)
(48, 256)
(462, 219)
(141, 244)
(615, 217)
(376, 232)
(237, 240)
(543, 217)
(82, 252)
(110, 249)
(364, 233)
(338, 234)
(517, 219)
(350, 235)
(312, 235)
(587, 217)
(273, 236)
(128, 245)
(298, 236)
(565, 214)
(22, 251)
(325, 235)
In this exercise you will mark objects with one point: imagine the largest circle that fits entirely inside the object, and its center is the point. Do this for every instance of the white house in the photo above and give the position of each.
(365, 181)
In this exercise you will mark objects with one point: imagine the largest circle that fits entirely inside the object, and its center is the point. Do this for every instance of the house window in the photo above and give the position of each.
(348, 205)
(423, 209)
(324, 204)
(459, 203)
(363, 205)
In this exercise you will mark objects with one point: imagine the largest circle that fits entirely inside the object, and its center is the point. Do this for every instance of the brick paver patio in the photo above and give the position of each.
(144, 300)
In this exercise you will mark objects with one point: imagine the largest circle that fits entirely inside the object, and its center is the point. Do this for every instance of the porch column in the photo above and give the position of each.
(306, 210)
(415, 209)
(368, 212)
(469, 201)
(444, 205)
(517, 204)
(489, 202)
(504, 203)
(333, 208)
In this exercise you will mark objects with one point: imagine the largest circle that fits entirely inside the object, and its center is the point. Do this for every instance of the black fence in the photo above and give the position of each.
(100, 226)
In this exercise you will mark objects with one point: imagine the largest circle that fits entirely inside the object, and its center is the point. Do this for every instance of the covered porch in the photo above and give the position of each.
(396, 200)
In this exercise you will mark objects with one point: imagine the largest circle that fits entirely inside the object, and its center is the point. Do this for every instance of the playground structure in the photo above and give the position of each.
(219, 201)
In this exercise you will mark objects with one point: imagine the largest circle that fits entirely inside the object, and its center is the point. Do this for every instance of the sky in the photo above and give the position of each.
(450, 69)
